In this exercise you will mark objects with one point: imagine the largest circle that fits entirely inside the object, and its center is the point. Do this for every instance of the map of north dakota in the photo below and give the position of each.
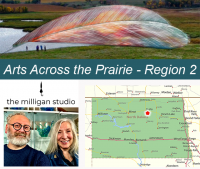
(120, 128)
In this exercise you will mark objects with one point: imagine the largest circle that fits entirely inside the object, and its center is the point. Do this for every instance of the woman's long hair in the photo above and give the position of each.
(53, 144)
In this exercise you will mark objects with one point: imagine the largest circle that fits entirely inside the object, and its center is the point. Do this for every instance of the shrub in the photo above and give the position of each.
(8, 9)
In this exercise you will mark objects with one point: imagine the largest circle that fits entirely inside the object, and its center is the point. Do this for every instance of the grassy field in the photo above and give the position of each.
(131, 2)
(188, 20)
(14, 20)
(191, 51)
(50, 12)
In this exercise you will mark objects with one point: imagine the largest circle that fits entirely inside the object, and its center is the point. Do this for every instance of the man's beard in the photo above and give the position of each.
(13, 139)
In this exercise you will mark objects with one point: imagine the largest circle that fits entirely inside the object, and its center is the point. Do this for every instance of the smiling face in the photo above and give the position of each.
(65, 136)
(17, 137)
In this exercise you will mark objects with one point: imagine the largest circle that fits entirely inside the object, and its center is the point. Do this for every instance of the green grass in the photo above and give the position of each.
(14, 20)
(132, 2)
(191, 51)
(190, 25)
(29, 26)
(33, 15)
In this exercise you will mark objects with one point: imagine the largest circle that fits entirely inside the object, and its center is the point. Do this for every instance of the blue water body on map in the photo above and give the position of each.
(114, 121)
(190, 162)
(138, 155)
(120, 126)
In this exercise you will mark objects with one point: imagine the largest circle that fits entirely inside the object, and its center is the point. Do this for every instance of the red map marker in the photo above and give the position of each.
(147, 113)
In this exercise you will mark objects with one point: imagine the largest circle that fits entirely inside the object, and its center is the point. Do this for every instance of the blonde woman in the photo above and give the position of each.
(63, 145)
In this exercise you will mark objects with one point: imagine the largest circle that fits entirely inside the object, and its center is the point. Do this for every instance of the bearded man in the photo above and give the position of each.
(17, 152)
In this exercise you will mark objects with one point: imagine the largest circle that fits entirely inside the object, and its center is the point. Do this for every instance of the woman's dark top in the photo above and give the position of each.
(72, 163)
(58, 159)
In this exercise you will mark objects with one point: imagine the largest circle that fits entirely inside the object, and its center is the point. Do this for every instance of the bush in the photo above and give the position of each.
(24, 9)
(8, 9)
(2, 9)
(28, 2)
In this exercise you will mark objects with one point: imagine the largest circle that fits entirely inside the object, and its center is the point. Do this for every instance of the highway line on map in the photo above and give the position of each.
(128, 140)
(195, 146)
(110, 139)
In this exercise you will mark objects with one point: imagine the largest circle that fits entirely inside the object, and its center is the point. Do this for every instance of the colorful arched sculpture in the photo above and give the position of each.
(110, 25)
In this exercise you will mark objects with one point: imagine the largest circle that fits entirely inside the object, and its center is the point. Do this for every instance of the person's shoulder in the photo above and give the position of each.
(76, 159)
(34, 151)
(55, 159)
(5, 147)
(49, 155)
(76, 156)
(52, 155)
(39, 157)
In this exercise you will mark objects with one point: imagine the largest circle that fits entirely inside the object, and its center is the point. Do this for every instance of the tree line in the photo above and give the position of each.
(4, 9)
(152, 4)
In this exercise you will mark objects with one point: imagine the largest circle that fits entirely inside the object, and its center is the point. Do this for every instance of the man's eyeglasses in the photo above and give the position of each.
(18, 126)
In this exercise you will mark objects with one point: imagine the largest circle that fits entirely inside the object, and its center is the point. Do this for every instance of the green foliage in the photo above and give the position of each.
(131, 2)
(24, 9)
(169, 3)
(13, 20)
(2, 9)
(10, 1)
(28, 2)
(35, 1)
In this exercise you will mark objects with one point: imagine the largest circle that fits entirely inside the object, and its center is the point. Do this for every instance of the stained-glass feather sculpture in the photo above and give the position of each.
(44, 130)
(111, 25)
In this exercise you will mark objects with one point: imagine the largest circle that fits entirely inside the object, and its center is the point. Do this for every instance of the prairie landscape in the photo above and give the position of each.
(187, 20)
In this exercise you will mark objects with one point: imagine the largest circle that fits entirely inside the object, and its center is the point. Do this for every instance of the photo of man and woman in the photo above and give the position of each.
(41, 136)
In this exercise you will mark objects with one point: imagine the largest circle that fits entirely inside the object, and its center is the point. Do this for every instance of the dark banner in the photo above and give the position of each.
(99, 69)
